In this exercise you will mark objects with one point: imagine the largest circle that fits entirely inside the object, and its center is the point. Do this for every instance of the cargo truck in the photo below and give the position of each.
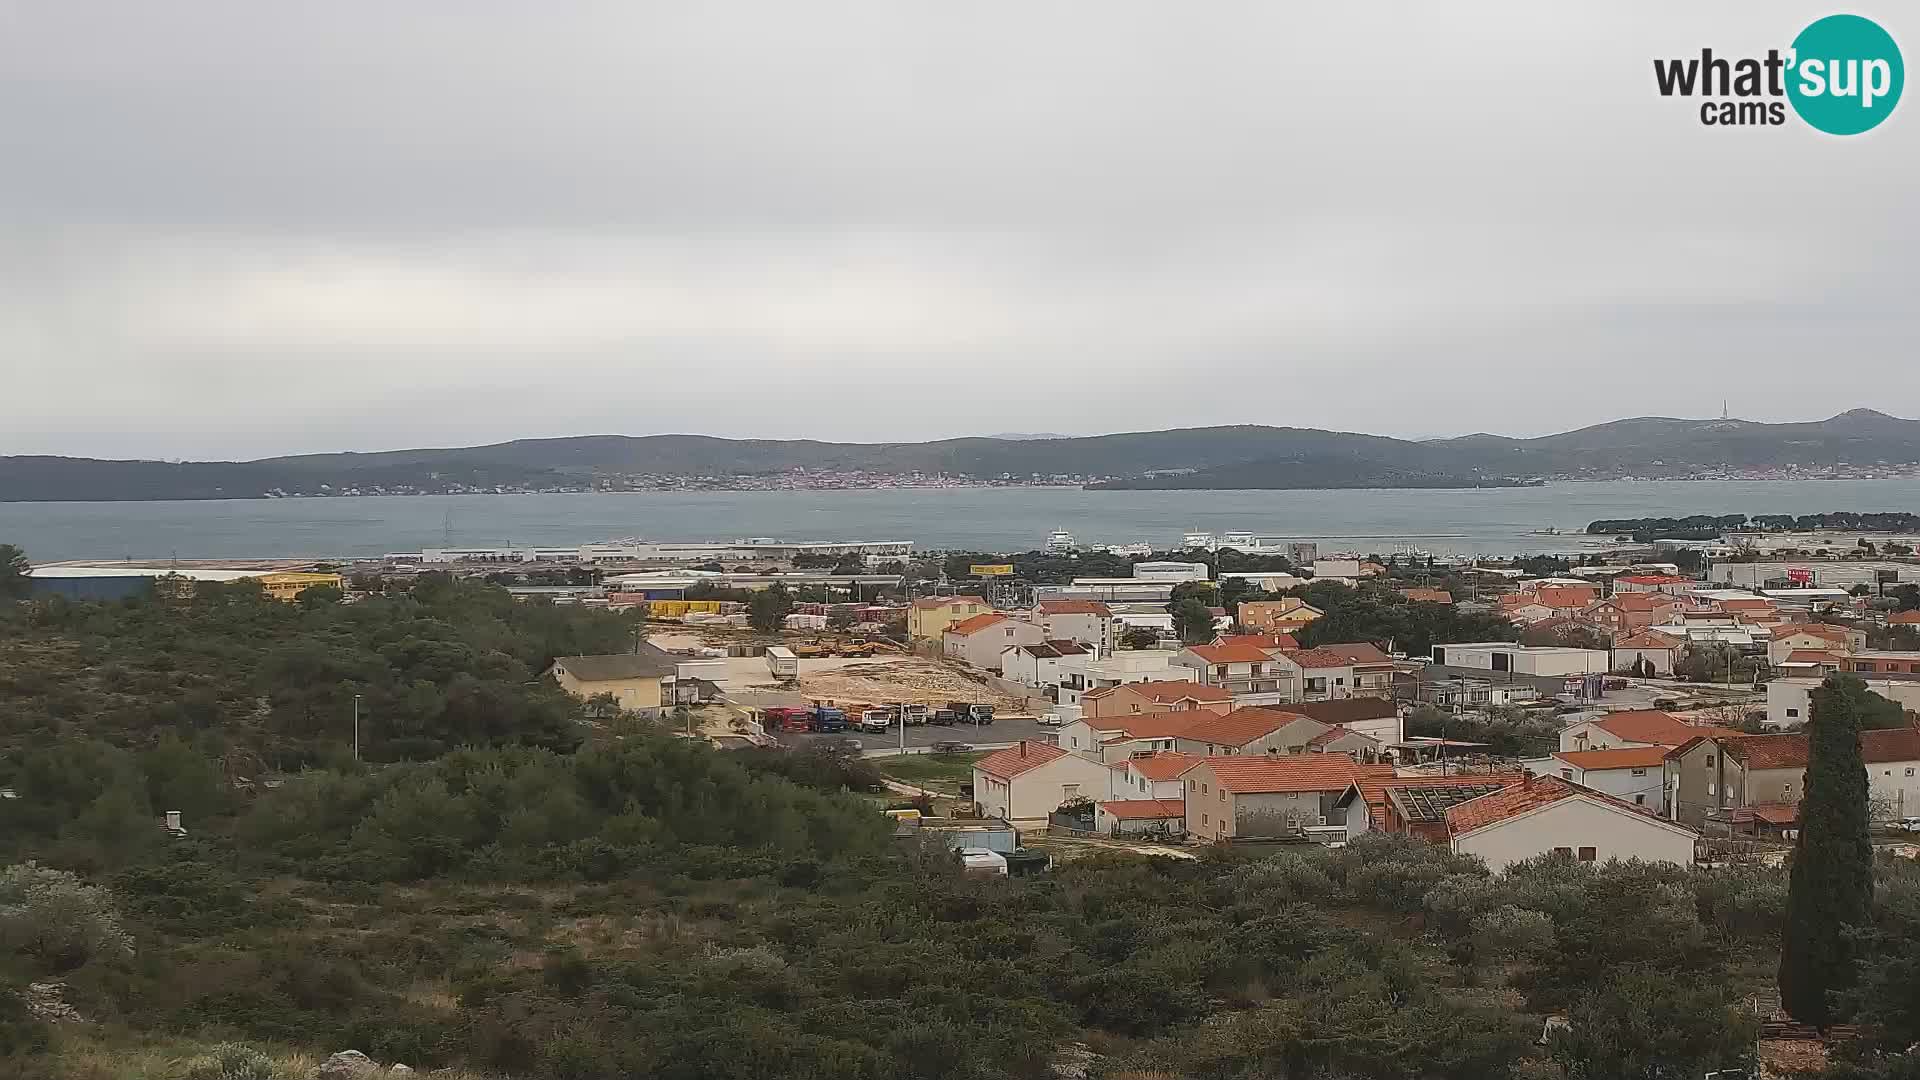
(781, 663)
(829, 719)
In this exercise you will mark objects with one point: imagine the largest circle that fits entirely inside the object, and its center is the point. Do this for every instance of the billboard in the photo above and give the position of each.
(991, 570)
(1799, 575)
(1886, 577)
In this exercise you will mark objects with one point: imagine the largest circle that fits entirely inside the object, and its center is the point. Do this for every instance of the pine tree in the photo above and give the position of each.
(1832, 883)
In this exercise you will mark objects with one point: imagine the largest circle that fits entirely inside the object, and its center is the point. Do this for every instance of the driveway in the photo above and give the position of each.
(921, 738)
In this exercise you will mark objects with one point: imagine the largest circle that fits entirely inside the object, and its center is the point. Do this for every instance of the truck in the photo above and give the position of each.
(829, 719)
(781, 663)
(876, 721)
(811, 650)
(782, 718)
(969, 713)
(914, 715)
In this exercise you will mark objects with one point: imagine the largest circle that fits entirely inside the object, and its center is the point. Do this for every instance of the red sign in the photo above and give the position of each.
(1799, 575)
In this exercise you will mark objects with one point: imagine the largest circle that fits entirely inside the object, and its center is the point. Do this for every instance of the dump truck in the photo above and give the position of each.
(914, 715)
(829, 719)
(781, 663)
(970, 713)
(781, 718)
(876, 721)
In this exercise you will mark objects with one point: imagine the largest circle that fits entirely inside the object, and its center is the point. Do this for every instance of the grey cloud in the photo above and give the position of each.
(458, 222)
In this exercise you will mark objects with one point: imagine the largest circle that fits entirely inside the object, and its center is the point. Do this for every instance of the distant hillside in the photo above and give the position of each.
(1244, 456)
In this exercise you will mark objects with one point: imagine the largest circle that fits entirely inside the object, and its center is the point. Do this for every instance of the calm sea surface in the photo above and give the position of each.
(1492, 521)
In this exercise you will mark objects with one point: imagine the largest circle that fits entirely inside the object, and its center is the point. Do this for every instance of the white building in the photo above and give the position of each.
(1523, 659)
(1037, 665)
(979, 641)
(1336, 569)
(1170, 571)
(1079, 674)
(1789, 701)
(1549, 814)
(1633, 775)
(1088, 622)
(1031, 779)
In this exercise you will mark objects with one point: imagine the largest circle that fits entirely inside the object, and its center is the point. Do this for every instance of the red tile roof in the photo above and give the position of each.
(1531, 794)
(1239, 727)
(1374, 785)
(977, 623)
(1653, 726)
(1163, 765)
(1358, 652)
(1162, 692)
(1320, 658)
(1014, 760)
(1566, 596)
(1630, 757)
(1819, 630)
(1641, 601)
(1789, 750)
(1257, 774)
(1903, 618)
(1646, 639)
(1075, 607)
(1776, 813)
(1260, 641)
(1145, 809)
(1229, 654)
(1811, 656)
(1335, 734)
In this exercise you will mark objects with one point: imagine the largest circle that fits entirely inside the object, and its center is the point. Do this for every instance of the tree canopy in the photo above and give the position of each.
(1832, 884)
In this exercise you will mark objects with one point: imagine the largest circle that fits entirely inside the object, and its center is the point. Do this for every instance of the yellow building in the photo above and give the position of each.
(930, 616)
(288, 586)
(638, 681)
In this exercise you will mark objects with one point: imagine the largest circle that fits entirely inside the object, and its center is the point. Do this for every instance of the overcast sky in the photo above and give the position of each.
(234, 229)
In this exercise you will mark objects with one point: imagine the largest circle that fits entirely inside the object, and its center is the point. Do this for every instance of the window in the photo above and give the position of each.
(1709, 761)
(1587, 854)
(1909, 772)
(1639, 772)
(1203, 819)
(1566, 774)
(1204, 791)
(1640, 800)
(1710, 790)
(1786, 790)
(1192, 784)
(1223, 794)
(1567, 851)
(1793, 712)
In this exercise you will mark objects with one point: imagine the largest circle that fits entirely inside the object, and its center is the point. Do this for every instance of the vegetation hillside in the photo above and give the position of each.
(506, 888)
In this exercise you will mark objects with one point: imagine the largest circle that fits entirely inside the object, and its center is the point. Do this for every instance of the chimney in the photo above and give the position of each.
(1023, 748)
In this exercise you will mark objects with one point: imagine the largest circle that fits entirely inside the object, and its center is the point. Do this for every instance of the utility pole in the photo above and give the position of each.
(356, 727)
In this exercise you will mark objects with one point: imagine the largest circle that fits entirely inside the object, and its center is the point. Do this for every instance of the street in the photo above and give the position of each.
(921, 738)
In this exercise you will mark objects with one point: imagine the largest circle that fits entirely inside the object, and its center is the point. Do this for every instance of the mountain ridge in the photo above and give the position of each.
(1216, 457)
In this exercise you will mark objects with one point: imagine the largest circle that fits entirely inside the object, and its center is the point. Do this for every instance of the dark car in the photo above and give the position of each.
(950, 747)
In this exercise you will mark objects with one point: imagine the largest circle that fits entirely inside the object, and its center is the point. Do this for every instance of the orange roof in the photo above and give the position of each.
(1811, 656)
(1531, 794)
(930, 602)
(1654, 726)
(1427, 596)
(1374, 784)
(1258, 774)
(1904, 618)
(1757, 603)
(1161, 692)
(1014, 760)
(1630, 757)
(1074, 607)
(1161, 765)
(977, 623)
(1646, 639)
(1145, 809)
(1239, 727)
(1566, 596)
(1153, 725)
(1229, 654)
(1640, 601)
(1358, 652)
(1789, 750)
(1260, 641)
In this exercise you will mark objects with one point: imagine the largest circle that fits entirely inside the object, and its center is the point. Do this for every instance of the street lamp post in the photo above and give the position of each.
(356, 727)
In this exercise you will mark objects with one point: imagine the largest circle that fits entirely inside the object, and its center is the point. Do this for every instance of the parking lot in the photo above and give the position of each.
(921, 738)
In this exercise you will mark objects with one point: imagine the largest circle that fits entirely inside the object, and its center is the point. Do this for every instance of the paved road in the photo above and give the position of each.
(919, 738)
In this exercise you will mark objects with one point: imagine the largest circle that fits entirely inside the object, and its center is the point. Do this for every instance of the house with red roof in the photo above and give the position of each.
(1646, 650)
(1088, 622)
(1413, 805)
(1252, 674)
(1153, 696)
(1259, 795)
(1717, 779)
(1263, 642)
(1354, 669)
(1824, 637)
(1250, 731)
(1551, 815)
(1635, 774)
(977, 641)
(1903, 618)
(929, 616)
(1148, 776)
(1030, 780)
(1629, 611)
(1140, 817)
(1633, 727)
(1377, 718)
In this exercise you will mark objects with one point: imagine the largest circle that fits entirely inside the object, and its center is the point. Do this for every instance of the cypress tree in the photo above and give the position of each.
(1832, 883)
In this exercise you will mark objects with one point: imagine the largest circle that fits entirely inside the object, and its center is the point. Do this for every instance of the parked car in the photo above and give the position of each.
(1910, 824)
(951, 747)
(1048, 719)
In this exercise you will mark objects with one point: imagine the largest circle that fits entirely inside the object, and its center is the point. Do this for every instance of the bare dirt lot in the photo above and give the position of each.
(882, 680)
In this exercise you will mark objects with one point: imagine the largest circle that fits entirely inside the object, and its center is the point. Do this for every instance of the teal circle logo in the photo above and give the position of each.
(1846, 74)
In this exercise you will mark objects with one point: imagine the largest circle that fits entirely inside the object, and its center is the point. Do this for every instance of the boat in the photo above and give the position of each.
(1060, 540)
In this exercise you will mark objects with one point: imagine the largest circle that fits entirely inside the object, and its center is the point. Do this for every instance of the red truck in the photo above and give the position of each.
(788, 719)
